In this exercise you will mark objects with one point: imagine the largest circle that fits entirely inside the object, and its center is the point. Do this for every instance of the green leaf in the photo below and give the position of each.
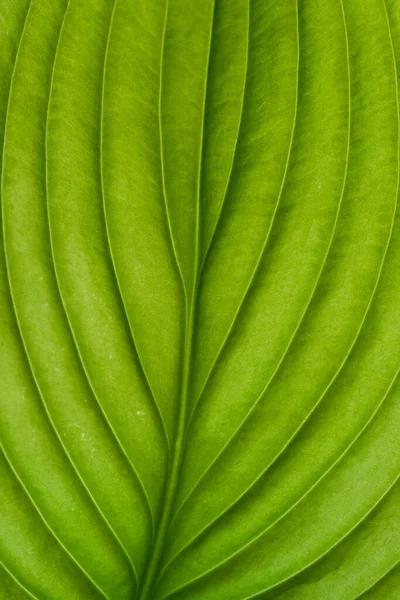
(199, 300)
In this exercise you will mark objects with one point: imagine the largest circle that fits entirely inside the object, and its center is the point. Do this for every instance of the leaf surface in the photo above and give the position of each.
(199, 299)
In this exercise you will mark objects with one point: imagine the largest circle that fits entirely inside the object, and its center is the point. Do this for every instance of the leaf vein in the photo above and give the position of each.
(264, 246)
(239, 127)
(48, 526)
(24, 346)
(336, 374)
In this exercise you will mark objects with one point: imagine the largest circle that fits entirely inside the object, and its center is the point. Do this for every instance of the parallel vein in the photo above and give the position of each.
(268, 234)
(95, 504)
(173, 477)
(118, 285)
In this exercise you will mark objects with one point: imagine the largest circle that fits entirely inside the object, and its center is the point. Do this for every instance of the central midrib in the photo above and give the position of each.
(173, 479)
(191, 300)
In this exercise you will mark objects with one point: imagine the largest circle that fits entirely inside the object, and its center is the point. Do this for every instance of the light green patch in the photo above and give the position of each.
(199, 300)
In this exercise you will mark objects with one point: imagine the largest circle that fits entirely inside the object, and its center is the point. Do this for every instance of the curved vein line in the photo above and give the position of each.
(264, 246)
(160, 128)
(378, 581)
(310, 564)
(265, 388)
(13, 470)
(336, 374)
(49, 527)
(239, 127)
(341, 456)
(98, 404)
(24, 346)
(119, 289)
(200, 168)
(335, 545)
(179, 445)
(158, 541)
(19, 584)
(72, 331)
(393, 567)
(302, 316)
(114, 268)
(342, 364)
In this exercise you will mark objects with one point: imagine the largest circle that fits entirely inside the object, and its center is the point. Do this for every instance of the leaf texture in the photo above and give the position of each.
(200, 288)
